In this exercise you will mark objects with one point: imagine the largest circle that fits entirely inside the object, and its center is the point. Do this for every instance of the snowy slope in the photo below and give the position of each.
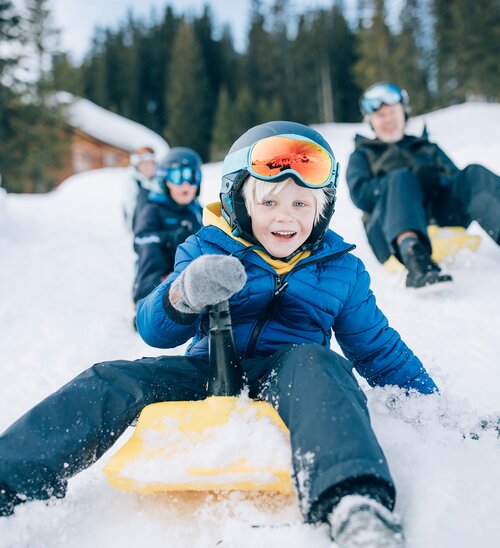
(66, 269)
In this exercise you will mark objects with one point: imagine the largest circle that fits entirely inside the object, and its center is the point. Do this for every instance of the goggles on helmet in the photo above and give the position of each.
(180, 175)
(274, 157)
(136, 158)
(382, 94)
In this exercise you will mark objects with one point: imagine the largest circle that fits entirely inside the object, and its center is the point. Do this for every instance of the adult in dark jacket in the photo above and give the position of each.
(404, 183)
(290, 282)
(167, 219)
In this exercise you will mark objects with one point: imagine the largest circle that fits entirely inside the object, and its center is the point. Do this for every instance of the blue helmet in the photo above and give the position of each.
(181, 163)
(383, 93)
(237, 167)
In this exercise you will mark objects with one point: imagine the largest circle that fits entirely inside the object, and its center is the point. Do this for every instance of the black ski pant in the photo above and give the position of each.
(334, 449)
(472, 194)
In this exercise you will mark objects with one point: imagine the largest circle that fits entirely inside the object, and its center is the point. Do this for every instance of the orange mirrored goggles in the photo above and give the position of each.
(271, 158)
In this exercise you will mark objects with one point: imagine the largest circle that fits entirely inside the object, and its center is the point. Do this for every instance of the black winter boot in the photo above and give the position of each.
(422, 270)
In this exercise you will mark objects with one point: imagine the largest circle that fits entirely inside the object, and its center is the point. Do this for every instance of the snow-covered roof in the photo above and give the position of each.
(110, 127)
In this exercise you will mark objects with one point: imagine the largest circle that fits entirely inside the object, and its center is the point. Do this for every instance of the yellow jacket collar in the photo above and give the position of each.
(212, 216)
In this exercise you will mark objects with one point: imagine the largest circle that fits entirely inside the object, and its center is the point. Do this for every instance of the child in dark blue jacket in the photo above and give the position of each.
(167, 219)
(290, 282)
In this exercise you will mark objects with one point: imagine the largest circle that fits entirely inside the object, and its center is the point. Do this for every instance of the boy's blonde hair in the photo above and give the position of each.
(255, 189)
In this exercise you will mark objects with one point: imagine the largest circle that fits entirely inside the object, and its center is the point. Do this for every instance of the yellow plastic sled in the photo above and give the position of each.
(446, 243)
(225, 442)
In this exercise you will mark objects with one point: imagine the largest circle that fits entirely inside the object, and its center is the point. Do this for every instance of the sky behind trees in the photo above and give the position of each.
(78, 20)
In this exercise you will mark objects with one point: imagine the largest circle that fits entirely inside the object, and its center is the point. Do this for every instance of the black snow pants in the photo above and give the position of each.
(334, 449)
(472, 194)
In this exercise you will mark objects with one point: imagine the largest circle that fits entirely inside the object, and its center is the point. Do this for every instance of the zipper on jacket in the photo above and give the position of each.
(280, 285)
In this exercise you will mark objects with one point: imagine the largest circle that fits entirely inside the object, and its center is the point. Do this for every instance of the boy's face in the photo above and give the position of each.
(182, 194)
(282, 222)
(147, 168)
(388, 122)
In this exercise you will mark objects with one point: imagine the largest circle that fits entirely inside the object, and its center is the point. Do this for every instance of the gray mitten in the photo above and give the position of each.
(209, 279)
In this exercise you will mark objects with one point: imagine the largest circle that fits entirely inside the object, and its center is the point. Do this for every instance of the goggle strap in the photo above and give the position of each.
(236, 160)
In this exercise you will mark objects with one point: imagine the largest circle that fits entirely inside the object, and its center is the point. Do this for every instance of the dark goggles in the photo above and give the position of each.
(382, 94)
(271, 158)
(180, 175)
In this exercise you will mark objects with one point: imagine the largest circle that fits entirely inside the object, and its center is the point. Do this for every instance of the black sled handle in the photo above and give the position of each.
(226, 374)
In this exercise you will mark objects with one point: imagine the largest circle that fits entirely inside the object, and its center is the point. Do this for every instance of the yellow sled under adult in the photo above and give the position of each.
(446, 243)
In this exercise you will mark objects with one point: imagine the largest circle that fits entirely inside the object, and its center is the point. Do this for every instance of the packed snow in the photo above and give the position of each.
(66, 273)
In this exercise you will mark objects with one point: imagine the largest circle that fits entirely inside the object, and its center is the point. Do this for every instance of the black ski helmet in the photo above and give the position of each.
(234, 209)
(382, 93)
(178, 157)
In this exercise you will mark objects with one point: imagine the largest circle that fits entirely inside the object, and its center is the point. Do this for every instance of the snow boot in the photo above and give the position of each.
(422, 270)
(362, 522)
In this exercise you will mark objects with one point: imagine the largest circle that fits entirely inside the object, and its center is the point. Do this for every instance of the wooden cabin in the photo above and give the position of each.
(100, 138)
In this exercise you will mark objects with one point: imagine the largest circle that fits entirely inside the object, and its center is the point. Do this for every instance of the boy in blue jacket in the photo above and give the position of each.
(290, 281)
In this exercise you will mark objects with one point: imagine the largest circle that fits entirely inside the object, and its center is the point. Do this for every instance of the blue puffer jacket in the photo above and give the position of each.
(329, 290)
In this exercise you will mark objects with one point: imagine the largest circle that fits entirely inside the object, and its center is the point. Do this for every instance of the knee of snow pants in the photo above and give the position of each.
(477, 190)
(332, 441)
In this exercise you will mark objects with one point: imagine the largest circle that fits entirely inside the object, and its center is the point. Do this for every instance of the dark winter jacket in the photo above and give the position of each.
(328, 290)
(372, 160)
(160, 226)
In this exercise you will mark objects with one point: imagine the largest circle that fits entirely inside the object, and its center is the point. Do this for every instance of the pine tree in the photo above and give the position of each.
(155, 65)
(65, 76)
(224, 132)
(229, 62)
(41, 143)
(280, 105)
(188, 105)
(342, 57)
(305, 80)
(468, 41)
(445, 37)
(203, 28)
(43, 37)
(263, 74)
(10, 32)
(411, 66)
(375, 45)
(323, 54)
(94, 71)
(245, 113)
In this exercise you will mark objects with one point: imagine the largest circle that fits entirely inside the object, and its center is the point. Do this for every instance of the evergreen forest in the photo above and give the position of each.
(183, 77)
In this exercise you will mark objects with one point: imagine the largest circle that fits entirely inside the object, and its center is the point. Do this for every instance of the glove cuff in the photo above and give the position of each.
(175, 315)
(177, 296)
